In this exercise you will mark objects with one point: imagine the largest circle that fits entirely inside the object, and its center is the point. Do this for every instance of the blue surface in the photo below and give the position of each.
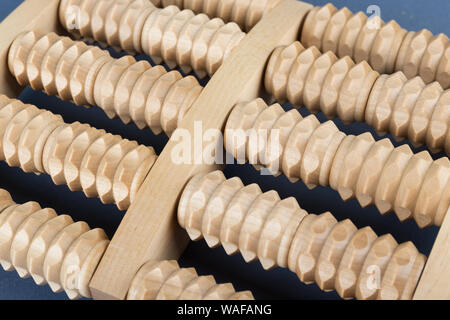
(275, 284)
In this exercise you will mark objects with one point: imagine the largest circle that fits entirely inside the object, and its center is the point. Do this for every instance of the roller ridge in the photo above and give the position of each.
(245, 13)
(394, 179)
(165, 280)
(354, 92)
(126, 88)
(52, 249)
(335, 255)
(386, 46)
(179, 38)
(85, 158)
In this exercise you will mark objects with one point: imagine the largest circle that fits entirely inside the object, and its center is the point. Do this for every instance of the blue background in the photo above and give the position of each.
(275, 284)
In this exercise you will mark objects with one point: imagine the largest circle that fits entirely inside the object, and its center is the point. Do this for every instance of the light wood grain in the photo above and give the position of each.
(355, 92)
(177, 37)
(83, 157)
(244, 12)
(51, 249)
(165, 280)
(318, 248)
(434, 284)
(325, 83)
(385, 46)
(55, 250)
(149, 229)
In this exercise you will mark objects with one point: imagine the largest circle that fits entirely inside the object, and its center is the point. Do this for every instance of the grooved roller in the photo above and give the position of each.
(335, 255)
(407, 108)
(85, 158)
(386, 46)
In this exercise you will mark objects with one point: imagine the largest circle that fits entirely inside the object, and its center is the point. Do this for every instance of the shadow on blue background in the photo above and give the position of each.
(275, 284)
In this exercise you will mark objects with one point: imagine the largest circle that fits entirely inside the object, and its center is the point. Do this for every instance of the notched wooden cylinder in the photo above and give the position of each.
(83, 157)
(385, 46)
(335, 255)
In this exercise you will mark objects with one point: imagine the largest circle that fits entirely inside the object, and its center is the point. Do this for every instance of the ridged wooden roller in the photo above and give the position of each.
(355, 92)
(125, 88)
(180, 38)
(245, 13)
(412, 185)
(52, 249)
(83, 157)
(165, 280)
(335, 255)
(386, 46)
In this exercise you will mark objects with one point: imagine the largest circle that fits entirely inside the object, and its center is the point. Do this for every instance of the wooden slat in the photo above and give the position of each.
(30, 15)
(149, 229)
(434, 283)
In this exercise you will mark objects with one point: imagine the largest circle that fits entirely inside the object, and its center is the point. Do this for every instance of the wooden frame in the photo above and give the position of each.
(149, 229)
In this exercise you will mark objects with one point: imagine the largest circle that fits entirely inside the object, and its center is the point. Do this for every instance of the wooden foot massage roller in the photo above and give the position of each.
(328, 60)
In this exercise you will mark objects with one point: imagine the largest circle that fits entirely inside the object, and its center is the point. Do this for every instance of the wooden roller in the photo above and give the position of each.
(85, 158)
(180, 38)
(355, 92)
(165, 280)
(335, 255)
(55, 250)
(413, 185)
(245, 13)
(386, 46)
(126, 88)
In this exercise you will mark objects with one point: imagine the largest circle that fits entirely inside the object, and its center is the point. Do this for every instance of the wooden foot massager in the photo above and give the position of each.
(328, 60)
